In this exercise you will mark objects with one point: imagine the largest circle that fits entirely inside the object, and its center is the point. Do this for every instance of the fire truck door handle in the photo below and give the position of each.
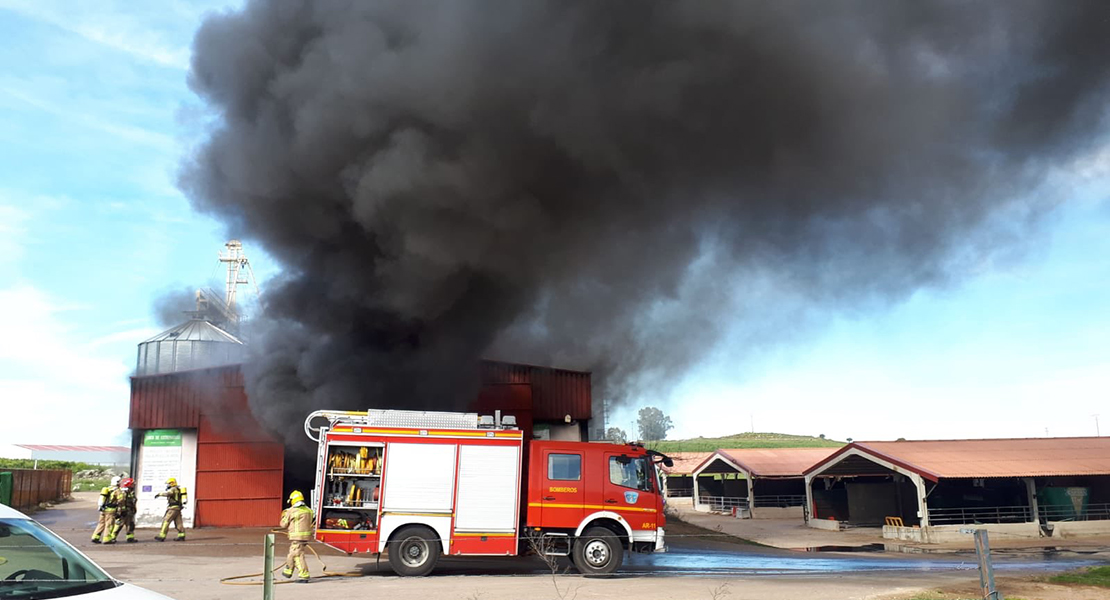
(610, 501)
(549, 498)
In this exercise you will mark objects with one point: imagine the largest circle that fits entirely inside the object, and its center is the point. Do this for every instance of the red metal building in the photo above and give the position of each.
(237, 469)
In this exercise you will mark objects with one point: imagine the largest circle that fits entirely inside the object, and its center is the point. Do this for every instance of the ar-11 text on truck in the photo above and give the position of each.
(419, 485)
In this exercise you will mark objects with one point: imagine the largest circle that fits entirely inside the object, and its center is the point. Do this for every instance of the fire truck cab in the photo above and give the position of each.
(419, 485)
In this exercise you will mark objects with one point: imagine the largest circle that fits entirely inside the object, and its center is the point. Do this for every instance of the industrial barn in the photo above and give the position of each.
(195, 424)
(928, 491)
(756, 482)
(678, 480)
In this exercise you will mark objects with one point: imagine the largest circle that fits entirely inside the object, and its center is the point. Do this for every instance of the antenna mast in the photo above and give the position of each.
(239, 272)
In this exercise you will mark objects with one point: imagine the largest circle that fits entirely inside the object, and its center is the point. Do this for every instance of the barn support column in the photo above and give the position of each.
(1031, 489)
(808, 512)
(751, 494)
(922, 499)
(697, 493)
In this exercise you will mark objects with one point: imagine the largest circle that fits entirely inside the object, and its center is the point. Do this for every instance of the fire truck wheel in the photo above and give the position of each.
(413, 551)
(597, 551)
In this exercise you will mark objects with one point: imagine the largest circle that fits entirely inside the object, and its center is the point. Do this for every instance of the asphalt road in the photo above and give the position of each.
(691, 552)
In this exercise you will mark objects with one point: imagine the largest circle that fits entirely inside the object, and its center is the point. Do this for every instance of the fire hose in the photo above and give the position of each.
(234, 579)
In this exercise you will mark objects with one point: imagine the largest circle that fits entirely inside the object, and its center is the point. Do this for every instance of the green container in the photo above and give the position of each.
(6, 488)
(1064, 503)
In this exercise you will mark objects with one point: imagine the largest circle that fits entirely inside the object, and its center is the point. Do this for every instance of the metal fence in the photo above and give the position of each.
(1067, 512)
(681, 493)
(980, 514)
(723, 504)
(1014, 514)
(26, 488)
(783, 501)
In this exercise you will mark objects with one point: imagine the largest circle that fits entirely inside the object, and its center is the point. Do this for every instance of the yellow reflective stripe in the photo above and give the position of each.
(346, 531)
(408, 514)
(457, 534)
(593, 507)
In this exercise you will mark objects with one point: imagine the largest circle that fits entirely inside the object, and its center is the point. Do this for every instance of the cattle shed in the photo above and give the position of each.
(929, 491)
(197, 426)
(678, 480)
(756, 482)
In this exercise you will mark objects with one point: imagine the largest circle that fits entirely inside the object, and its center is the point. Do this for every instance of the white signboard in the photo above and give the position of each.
(161, 456)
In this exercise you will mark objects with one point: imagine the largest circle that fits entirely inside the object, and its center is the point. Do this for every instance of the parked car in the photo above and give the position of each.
(36, 564)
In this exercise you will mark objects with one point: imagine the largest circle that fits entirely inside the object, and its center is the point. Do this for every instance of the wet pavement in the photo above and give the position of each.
(691, 552)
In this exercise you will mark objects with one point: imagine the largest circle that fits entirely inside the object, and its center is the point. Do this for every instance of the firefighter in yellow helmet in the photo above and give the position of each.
(298, 521)
(107, 510)
(176, 498)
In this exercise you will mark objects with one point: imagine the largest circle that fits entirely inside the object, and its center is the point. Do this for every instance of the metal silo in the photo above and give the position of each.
(194, 344)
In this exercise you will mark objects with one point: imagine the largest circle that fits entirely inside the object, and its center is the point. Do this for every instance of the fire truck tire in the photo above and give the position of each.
(597, 551)
(413, 551)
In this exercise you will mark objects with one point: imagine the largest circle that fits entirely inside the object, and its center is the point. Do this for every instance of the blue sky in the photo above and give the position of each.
(95, 115)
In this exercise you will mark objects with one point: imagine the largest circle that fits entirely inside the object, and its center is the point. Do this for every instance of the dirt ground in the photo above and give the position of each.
(191, 571)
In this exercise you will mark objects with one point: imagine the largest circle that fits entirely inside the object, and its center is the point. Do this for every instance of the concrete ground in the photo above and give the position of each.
(795, 534)
(191, 570)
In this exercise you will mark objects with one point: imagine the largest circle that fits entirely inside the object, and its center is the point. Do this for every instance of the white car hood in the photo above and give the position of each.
(124, 591)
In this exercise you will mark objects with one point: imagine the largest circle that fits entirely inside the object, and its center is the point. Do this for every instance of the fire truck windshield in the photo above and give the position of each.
(630, 472)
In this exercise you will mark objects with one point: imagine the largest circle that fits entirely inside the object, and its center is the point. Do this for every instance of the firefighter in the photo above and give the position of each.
(107, 510)
(126, 504)
(176, 499)
(297, 520)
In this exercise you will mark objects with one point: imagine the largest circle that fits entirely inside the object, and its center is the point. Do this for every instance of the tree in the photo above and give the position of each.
(616, 435)
(653, 424)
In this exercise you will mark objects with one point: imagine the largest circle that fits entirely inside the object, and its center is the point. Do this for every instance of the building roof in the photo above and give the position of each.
(51, 448)
(1028, 457)
(195, 330)
(771, 462)
(685, 462)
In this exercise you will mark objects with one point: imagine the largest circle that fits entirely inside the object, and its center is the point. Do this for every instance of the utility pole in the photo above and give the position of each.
(1097, 433)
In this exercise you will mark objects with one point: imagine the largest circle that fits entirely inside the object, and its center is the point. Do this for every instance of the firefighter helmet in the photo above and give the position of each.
(171, 481)
(115, 481)
(296, 497)
(127, 483)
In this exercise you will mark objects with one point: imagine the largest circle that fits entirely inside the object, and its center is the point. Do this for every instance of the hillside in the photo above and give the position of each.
(743, 440)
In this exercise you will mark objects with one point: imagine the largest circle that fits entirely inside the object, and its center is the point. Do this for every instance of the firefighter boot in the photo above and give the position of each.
(180, 537)
(96, 539)
(131, 538)
(160, 537)
(287, 573)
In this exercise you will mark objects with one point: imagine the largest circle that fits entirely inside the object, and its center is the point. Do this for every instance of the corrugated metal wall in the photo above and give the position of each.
(239, 468)
(239, 465)
(555, 392)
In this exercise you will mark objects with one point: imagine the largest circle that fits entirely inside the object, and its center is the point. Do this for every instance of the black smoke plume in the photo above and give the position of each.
(607, 185)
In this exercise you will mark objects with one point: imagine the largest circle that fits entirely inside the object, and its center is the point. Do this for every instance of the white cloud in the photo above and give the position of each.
(13, 231)
(107, 26)
(56, 387)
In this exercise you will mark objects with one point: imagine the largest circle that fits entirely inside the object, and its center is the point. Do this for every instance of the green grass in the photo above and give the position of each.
(743, 440)
(27, 463)
(83, 484)
(1096, 576)
(90, 485)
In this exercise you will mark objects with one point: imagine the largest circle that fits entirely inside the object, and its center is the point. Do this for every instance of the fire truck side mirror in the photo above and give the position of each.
(667, 462)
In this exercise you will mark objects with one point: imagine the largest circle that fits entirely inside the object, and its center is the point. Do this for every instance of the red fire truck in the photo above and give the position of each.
(418, 485)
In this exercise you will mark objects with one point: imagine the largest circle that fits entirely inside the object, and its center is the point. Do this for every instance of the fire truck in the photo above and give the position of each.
(421, 485)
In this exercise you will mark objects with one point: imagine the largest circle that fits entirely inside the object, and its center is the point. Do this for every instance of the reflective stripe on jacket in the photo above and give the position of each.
(298, 522)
